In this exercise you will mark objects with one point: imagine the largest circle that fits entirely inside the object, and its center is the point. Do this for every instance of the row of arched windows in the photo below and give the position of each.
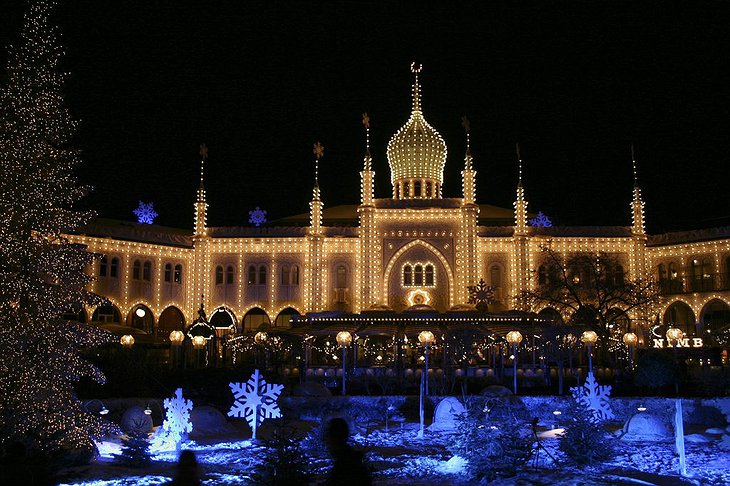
(418, 275)
(141, 271)
(551, 274)
(257, 275)
(699, 276)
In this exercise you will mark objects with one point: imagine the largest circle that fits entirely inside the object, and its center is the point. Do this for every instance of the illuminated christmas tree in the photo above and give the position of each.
(41, 273)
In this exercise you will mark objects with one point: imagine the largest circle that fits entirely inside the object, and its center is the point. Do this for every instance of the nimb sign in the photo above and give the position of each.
(681, 343)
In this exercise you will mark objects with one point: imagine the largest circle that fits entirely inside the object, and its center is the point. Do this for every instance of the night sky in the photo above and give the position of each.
(260, 82)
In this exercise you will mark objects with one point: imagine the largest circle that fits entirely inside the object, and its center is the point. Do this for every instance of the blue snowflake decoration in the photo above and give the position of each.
(257, 217)
(145, 213)
(541, 221)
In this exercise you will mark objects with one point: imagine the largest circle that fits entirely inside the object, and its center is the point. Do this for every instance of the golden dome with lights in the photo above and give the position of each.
(416, 154)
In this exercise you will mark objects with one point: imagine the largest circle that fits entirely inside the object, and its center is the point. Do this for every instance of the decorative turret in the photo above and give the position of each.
(416, 154)
(315, 206)
(520, 203)
(367, 176)
(468, 175)
(201, 207)
(637, 205)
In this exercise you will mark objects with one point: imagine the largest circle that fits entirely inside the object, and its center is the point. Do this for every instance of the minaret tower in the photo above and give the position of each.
(637, 205)
(201, 207)
(198, 284)
(468, 269)
(468, 175)
(520, 263)
(314, 269)
(369, 254)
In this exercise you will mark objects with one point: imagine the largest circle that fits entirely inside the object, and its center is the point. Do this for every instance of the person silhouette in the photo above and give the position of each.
(187, 473)
(348, 466)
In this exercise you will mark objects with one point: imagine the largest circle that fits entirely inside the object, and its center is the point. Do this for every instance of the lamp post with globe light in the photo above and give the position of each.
(674, 335)
(426, 338)
(630, 341)
(514, 338)
(260, 338)
(176, 339)
(589, 338)
(199, 343)
(344, 339)
(127, 341)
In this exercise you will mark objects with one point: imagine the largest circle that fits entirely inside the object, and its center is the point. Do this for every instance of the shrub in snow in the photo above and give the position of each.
(493, 448)
(584, 440)
(135, 451)
(136, 422)
(284, 462)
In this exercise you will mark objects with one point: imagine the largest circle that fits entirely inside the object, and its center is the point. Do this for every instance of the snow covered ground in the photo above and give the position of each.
(399, 457)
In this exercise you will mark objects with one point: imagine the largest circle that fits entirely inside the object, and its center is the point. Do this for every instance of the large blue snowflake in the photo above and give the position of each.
(541, 221)
(257, 217)
(145, 213)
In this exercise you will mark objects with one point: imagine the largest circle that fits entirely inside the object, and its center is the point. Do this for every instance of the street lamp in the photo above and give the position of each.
(514, 338)
(176, 339)
(127, 340)
(260, 338)
(426, 338)
(589, 338)
(630, 341)
(344, 339)
(674, 335)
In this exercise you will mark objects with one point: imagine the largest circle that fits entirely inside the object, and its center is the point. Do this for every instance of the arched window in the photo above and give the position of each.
(397, 191)
(136, 270)
(428, 189)
(619, 275)
(114, 269)
(341, 277)
(417, 188)
(542, 276)
(707, 283)
(251, 275)
(168, 272)
(285, 275)
(407, 275)
(219, 275)
(418, 275)
(229, 275)
(262, 275)
(102, 266)
(662, 270)
(406, 190)
(177, 276)
(295, 275)
(675, 282)
(147, 271)
(429, 275)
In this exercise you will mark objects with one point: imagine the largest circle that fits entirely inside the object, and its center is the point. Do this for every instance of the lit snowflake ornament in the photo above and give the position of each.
(541, 221)
(257, 217)
(145, 213)
(255, 400)
(594, 397)
(177, 417)
(481, 295)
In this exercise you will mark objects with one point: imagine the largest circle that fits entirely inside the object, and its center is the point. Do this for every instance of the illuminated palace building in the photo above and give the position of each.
(401, 262)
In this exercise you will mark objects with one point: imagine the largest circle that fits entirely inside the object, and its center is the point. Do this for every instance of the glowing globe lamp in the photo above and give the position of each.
(514, 338)
(674, 334)
(426, 338)
(630, 339)
(199, 342)
(589, 337)
(344, 338)
(260, 337)
(127, 340)
(177, 337)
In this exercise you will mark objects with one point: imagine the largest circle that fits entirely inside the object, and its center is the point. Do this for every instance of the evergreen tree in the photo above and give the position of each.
(135, 451)
(41, 272)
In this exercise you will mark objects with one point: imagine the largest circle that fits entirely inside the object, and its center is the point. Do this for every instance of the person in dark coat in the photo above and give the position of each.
(349, 468)
(187, 473)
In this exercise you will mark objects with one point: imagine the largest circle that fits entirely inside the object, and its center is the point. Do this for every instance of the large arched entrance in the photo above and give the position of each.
(254, 319)
(283, 320)
(680, 315)
(171, 319)
(140, 317)
(715, 315)
(418, 274)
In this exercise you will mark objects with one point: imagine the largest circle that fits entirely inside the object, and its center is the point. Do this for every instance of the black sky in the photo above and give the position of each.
(574, 82)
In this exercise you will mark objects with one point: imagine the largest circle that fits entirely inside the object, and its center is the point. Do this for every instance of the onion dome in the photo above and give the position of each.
(416, 154)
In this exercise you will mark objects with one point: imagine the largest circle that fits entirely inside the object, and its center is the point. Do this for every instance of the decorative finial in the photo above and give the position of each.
(366, 124)
(467, 129)
(318, 151)
(519, 164)
(203, 157)
(633, 163)
(416, 69)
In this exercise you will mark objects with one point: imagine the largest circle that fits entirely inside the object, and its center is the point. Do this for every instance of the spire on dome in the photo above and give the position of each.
(201, 207)
(318, 151)
(467, 129)
(468, 175)
(315, 205)
(519, 165)
(416, 69)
